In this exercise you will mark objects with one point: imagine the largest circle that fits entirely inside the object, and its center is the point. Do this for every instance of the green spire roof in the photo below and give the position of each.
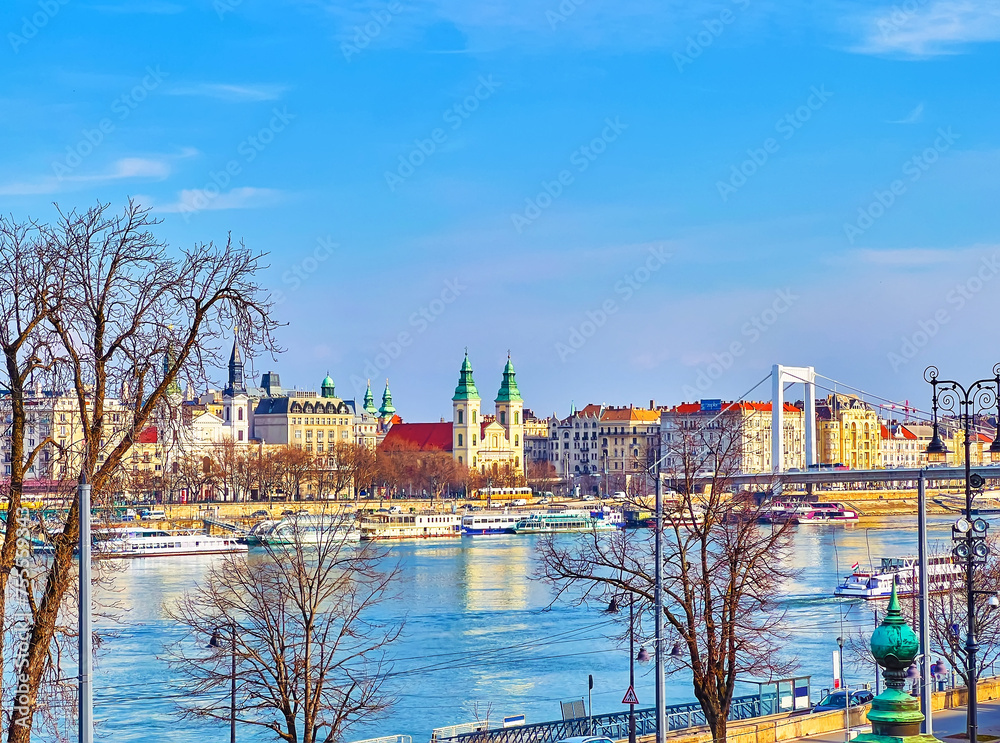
(895, 715)
(508, 388)
(328, 390)
(387, 410)
(369, 405)
(466, 389)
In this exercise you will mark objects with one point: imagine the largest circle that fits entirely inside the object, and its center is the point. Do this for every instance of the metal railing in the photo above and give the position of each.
(388, 739)
(615, 725)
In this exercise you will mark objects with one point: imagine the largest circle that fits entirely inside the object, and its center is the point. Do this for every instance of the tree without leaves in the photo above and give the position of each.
(308, 654)
(124, 303)
(722, 572)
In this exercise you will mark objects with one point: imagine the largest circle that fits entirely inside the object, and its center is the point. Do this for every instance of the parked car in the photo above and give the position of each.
(837, 700)
(260, 514)
(286, 512)
(586, 739)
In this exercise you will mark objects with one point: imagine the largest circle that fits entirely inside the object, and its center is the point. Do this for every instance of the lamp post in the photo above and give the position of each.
(968, 534)
(642, 657)
(216, 642)
(846, 690)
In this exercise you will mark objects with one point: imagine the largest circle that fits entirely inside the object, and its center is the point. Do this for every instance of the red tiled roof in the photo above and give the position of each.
(422, 436)
(686, 408)
(148, 435)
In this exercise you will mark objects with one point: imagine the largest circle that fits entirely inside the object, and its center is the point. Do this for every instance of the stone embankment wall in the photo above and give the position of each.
(791, 725)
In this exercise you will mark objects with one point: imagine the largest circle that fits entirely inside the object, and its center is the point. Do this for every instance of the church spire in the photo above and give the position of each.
(169, 358)
(387, 410)
(327, 389)
(466, 389)
(508, 388)
(369, 405)
(237, 385)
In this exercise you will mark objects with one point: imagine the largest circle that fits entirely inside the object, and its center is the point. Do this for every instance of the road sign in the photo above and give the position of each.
(630, 697)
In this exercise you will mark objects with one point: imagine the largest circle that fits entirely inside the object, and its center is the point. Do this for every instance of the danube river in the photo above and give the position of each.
(480, 630)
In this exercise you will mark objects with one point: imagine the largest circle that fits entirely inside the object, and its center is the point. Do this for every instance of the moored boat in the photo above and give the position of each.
(482, 523)
(826, 515)
(138, 542)
(411, 525)
(310, 530)
(942, 574)
(553, 523)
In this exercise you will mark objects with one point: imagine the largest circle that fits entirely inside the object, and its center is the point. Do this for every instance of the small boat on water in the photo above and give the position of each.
(131, 542)
(808, 513)
(942, 574)
(826, 513)
(554, 523)
(411, 525)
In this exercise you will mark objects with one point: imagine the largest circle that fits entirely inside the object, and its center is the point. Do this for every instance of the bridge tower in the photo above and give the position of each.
(779, 376)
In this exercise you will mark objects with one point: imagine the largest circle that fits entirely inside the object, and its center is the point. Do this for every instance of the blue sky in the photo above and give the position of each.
(638, 199)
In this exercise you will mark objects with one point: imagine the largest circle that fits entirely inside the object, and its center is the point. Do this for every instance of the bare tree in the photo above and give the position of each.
(723, 571)
(130, 320)
(309, 656)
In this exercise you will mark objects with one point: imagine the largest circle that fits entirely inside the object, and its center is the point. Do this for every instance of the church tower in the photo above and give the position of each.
(388, 409)
(369, 404)
(467, 417)
(510, 413)
(235, 401)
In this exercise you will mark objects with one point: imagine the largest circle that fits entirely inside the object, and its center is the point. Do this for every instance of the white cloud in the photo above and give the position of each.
(231, 93)
(935, 27)
(911, 118)
(123, 169)
(203, 199)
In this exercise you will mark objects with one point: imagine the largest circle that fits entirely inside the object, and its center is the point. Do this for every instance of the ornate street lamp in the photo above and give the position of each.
(968, 533)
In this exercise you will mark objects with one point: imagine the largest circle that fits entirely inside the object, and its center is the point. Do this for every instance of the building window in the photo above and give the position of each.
(517, 418)
(473, 435)
(460, 416)
(460, 439)
(517, 441)
(473, 417)
(503, 418)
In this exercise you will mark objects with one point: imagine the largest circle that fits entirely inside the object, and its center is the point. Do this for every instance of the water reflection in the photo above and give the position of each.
(478, 629)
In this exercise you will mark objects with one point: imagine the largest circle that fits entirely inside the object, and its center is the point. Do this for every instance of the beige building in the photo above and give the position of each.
(629, 438)
(753, 422)
(305, 420)
(848, 432)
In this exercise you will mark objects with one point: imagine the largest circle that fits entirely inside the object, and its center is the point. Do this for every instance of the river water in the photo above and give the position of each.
(480, 630)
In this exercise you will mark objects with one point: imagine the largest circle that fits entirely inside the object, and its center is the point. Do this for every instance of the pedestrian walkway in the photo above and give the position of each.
(947, 722)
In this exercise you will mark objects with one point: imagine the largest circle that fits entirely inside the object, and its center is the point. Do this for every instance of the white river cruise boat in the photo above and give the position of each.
(553, 523)
(942, 574)
(138, 542)
(478, 524)
(411, 525)
(310, 530)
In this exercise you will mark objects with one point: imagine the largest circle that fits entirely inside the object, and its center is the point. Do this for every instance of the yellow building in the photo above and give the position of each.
(305, 420)
(849, 432)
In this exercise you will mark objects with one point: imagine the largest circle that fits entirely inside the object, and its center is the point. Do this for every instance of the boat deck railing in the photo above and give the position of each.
(615, 725)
